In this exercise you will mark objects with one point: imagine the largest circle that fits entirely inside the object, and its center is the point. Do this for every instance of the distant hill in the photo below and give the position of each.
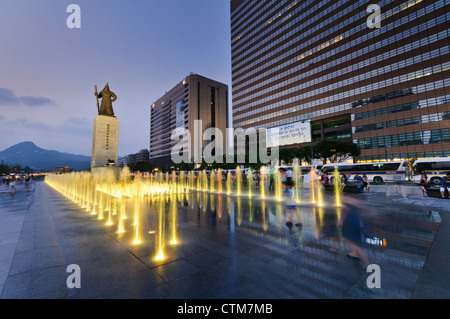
(28, 154)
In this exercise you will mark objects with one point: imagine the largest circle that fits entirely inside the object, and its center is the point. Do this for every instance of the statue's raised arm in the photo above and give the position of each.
(107, 98)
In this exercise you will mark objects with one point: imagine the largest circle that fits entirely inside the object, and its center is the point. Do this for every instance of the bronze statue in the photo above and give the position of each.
(107, 98)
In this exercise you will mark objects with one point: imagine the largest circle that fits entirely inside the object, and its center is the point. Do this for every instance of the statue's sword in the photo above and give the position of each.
(96, 94)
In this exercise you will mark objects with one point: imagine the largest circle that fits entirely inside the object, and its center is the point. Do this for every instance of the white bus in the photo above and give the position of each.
(375, 172)
(435, 168)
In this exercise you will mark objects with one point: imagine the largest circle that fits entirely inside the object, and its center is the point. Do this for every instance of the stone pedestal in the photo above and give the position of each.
(105, 141)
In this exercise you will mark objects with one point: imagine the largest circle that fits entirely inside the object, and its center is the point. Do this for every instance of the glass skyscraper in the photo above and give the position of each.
(385, 87)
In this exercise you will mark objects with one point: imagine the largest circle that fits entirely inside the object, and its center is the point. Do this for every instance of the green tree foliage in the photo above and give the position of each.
(4, 168)
(16, 168)
(335, 150)
(141, 167)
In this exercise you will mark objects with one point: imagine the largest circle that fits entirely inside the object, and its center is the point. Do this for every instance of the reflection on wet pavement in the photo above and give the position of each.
(234, 247)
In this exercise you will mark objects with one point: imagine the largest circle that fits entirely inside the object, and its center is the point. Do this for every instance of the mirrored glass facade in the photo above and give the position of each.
(322, 60)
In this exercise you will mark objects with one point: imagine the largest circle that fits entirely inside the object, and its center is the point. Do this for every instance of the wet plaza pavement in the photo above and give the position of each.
(228, 247)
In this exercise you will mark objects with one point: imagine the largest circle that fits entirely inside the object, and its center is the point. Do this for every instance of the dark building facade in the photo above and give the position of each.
(199, 99)
(386, 89)
(139, 157)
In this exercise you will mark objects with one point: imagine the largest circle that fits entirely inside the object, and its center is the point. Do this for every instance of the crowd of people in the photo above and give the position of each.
(361, 182)
(425, 184)
(11, 179)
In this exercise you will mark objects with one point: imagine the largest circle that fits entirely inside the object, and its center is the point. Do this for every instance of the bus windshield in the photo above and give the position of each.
(430, 166)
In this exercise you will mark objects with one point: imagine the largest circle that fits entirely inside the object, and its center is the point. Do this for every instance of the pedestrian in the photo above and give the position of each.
(358, 182)
(344, 182)
(290, 208)
(271, 186)
(289, 174)
(365, 183)
(351, 229)
(324, 179)
(424, 183)
(283, 177)
(445, 185)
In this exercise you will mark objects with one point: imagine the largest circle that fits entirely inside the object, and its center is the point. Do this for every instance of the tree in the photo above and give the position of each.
(141, 167)
(16, 168)
(28, 170)
(4, 168)
(287, 155)
(304, 154)
(326, 149)
(346, 150)
(337, 151)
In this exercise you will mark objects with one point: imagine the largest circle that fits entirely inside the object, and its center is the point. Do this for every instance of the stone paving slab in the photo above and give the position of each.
(434, 280)
(14, 204)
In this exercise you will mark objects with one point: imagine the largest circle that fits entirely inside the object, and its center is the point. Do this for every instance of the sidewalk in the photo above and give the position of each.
(14, 203)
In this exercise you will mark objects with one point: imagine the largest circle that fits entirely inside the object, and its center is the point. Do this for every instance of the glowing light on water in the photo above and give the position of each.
(109, 222)
(312, 180)
(219, 207)
(204, 181)
(219, 181)
(296, 176)
(278, 185)
(239, 211)
(250, 182)
(160, 256)
(320, 194)
(173, 220)
(161, 228)
(238, 180)
(264, 216)
(337, 187)
(262, 182)
(212, 182)
(100, 206)
(137, 241)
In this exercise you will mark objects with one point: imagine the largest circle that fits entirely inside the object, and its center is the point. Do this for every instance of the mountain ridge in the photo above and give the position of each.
(29, 154)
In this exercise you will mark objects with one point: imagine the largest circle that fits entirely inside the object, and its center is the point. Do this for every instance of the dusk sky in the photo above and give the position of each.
(142, 48)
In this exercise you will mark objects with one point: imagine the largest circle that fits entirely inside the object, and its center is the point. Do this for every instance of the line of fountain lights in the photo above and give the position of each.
(98, 194)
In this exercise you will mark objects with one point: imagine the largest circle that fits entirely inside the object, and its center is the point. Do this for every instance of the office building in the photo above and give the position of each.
(195, 98)
(386, 89)
(139, 157)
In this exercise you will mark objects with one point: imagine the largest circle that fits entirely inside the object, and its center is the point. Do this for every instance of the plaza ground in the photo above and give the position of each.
(220, 255)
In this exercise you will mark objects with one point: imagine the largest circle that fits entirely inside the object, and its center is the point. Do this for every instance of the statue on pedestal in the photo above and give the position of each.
(105, 108)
